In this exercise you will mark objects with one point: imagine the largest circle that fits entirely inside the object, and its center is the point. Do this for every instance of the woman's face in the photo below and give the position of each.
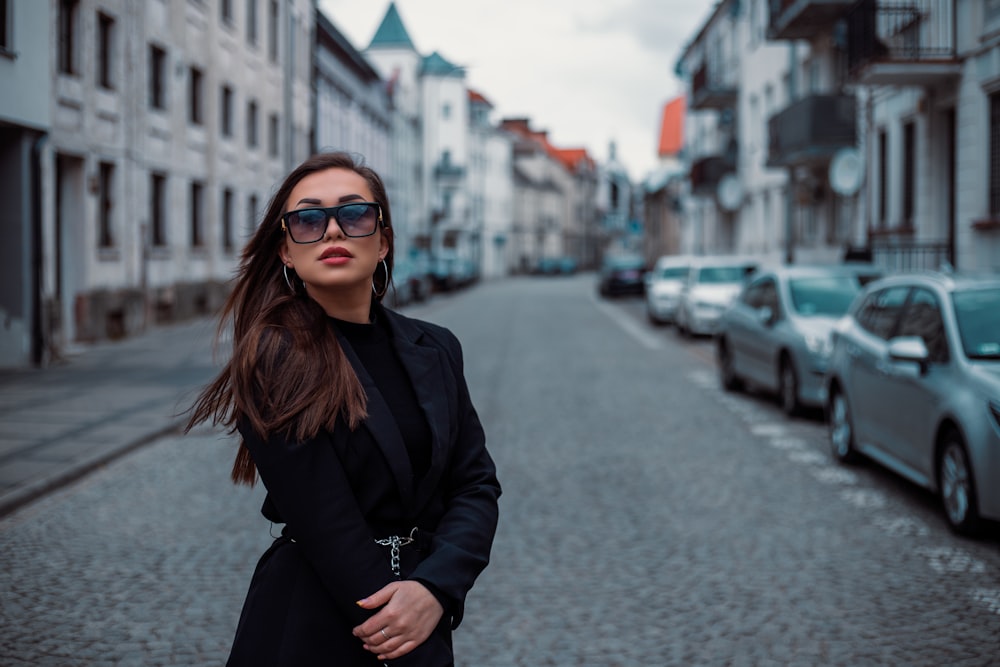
(337, 267)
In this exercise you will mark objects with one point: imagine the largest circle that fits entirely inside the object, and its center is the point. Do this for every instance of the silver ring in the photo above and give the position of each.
(383, 633)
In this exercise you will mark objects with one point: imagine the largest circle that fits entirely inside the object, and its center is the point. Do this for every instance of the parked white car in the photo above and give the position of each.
(712, 283)
(663, 287)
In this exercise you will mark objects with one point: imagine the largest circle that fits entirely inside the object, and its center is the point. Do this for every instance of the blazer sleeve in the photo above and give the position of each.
(309, 487)
(463, 538)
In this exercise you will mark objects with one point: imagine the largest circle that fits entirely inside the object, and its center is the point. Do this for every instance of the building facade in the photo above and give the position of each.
(163, 152)
(25, 125)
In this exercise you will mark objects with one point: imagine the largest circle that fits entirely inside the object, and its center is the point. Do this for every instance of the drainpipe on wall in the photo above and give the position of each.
(39, 335)
(790, 186)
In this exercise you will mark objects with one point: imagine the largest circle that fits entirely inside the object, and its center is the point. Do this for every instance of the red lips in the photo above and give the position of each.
(335, 251)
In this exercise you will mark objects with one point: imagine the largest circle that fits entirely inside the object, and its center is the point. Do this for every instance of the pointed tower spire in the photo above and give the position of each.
(392, 33)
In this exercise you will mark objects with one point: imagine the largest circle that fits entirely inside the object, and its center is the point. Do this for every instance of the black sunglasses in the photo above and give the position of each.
(308, 225)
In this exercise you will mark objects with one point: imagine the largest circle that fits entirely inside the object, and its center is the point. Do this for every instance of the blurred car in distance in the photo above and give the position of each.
(712, 282)
(555, 266)
(776, 334)
(400, 292)
(663, 287)
(621, 274)
(914, 385)
(412, 279)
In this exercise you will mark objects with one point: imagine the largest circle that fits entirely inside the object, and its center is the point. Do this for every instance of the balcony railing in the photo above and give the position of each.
(811, 130)
(706, 172)
(907, 255)
(804, 19)
(710, 90)
(903, 42)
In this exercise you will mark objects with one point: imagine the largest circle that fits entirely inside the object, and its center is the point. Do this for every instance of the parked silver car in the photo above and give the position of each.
(776, 335)
(711, 285)
(914, 384)
(663, 287)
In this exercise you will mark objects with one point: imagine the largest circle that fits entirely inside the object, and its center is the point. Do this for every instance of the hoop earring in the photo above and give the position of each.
(385, 267)
(288, 281)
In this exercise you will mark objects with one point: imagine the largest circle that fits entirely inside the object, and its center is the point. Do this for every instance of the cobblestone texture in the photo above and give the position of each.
(647, 519)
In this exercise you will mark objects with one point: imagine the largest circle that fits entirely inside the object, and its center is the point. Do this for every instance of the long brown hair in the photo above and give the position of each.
(287, 374)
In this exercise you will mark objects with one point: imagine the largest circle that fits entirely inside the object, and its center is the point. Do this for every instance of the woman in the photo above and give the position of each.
(359, 423)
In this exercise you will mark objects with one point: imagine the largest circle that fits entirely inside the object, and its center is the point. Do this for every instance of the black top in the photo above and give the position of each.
(373, 345)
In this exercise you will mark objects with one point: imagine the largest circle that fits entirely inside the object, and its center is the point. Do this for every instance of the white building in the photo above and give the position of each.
(25, 120)
(491, 189)
(171, 123)
(862, 128)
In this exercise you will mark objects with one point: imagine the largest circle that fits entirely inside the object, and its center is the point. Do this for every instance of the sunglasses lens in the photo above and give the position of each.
(357, 219)
(307, 225)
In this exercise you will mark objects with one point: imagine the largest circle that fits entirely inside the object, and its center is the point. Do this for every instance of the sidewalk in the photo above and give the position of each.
(61, 422)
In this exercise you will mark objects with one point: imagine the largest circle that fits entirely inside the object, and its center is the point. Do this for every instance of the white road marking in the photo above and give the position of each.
(629, 325)
(948, 560)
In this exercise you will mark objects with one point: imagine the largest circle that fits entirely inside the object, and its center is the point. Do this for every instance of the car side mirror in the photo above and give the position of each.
(909, 349)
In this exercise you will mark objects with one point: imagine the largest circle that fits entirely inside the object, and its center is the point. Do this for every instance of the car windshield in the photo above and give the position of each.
(823, 295)
(978, 314)
(672, 273)
(722, 274)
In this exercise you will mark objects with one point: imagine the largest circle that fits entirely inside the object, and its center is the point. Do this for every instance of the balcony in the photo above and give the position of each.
(907, 43)
(707, 171)
(446, 170)
(710, 91)
(804, 19)
(811, 130)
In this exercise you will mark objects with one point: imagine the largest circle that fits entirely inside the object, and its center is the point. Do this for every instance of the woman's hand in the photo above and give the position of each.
(408, 616)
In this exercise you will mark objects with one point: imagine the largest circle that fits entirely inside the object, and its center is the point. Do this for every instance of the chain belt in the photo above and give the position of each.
(394, 542)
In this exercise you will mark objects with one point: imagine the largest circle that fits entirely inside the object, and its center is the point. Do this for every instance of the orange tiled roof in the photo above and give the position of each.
(672, 127)
(475, 96)
(569, 157)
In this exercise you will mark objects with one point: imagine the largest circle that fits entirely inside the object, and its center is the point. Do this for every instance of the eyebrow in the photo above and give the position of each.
(317, 202)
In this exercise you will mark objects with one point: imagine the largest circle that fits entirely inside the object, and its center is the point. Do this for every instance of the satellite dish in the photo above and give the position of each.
(846, 171)
(729, 192)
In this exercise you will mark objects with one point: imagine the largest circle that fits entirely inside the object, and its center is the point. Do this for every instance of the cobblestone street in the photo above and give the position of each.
(647, 518)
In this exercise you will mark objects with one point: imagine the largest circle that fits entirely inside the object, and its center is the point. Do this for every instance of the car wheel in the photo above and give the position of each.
(955, 484)
(727, 375)
(788, 387)
(841, 429)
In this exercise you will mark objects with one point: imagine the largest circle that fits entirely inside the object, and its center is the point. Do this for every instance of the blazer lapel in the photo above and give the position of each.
(425, 366)
(382, 425)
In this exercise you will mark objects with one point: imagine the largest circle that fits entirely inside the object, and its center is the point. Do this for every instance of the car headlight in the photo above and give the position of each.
(819, 344)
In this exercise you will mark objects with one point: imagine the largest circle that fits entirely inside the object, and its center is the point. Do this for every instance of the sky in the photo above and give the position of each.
(588, 71)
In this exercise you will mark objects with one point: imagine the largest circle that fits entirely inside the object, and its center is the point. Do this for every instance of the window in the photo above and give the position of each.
(879, 312)
(105, 202)
(251, 215)
(195, 102)
(157, 77)
(68, 24)
(226, 111)
(252, 22)
(994, 155)
(158, 210)
(883, 177)
(226, 12)
(227, 220)
(445, 111)
(909, 172)
(197, 218)
(6, 39)
(252, 122)
(105, 54)
(272, 31)
(272, 135)
(923, 318)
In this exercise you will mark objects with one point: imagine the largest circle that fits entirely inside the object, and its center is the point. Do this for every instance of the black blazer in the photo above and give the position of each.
(340, 491)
